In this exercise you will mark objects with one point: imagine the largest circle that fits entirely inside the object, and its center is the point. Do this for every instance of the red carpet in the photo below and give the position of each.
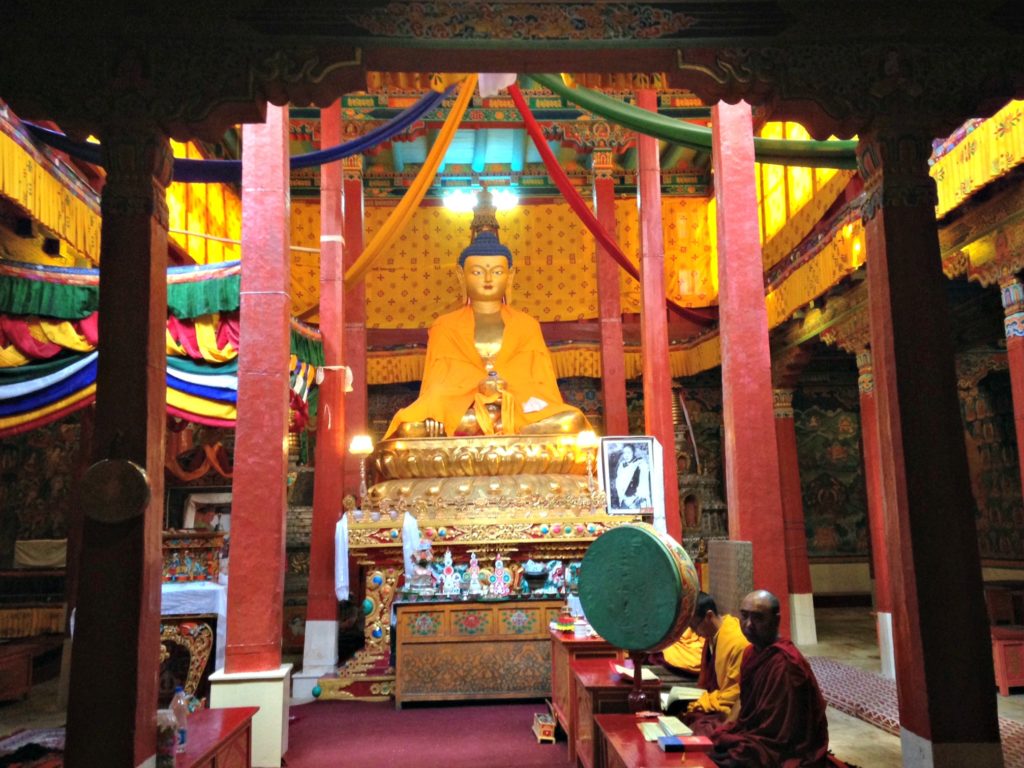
(359, 734)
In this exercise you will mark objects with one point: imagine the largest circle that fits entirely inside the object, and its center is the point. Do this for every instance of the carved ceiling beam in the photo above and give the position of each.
(986, 243)
(844, 89)
(816, 321)
(787, 367)
(975, 364)
(193, 70)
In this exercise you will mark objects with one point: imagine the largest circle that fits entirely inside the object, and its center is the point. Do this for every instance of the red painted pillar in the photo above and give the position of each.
(751, 462)
(945, 678)
(798, 570)
(357, 418)
(876, 512)
(613, 356)
(116, 645)
(256, 582)
(320, 646)
(1013, 309)
(653, 315)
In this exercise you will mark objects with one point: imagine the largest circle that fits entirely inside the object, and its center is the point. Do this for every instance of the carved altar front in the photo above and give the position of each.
(558, 524)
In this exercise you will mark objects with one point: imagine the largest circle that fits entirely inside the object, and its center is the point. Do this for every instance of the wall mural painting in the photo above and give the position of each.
(831, 473)
(35, 483)
(989, 432)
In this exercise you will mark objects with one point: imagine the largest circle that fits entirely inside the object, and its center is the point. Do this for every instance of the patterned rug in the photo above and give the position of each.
(872, 698)
(51, 738)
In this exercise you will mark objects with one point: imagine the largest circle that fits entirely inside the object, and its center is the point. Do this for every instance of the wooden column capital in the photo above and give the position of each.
(865, 372)
(782, 403)
(894, 166)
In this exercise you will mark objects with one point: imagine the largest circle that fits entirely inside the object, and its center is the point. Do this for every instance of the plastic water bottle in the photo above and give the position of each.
(179, 706)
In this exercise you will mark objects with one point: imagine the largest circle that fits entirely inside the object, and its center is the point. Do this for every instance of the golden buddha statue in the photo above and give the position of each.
(488, 370)
(489, 426)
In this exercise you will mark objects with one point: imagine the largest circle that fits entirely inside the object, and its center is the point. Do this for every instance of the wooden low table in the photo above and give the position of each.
(623, 746)
(599, 691)
(219, 738)
(1008, 657)
(565, 649)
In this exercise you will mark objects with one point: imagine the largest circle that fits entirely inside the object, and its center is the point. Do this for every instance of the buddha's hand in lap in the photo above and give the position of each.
(492, 386)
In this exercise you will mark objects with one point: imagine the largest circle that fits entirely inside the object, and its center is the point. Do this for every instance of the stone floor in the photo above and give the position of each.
(845, 634)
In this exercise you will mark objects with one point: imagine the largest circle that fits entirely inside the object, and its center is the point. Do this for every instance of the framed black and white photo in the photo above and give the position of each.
(627, 474)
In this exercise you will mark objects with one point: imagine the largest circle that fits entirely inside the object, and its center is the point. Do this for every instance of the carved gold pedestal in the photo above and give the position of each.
(524, 497)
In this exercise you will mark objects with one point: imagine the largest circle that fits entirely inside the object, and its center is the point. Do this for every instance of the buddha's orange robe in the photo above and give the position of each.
(454, 369)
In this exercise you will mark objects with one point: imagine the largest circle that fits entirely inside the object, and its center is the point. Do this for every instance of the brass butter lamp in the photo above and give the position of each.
(361, 446)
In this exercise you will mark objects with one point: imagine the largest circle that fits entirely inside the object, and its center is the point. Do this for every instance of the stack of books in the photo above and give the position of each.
(673, 735)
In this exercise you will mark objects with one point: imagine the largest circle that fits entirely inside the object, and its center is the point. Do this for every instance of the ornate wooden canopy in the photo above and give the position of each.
(192, 69)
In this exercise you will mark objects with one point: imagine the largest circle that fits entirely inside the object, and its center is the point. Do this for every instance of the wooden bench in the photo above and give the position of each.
(1008, 656)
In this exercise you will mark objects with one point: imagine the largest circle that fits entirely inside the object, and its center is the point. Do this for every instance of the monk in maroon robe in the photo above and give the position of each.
(781, 721)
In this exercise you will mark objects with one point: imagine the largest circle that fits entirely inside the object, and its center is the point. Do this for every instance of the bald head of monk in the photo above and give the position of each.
(759, 618)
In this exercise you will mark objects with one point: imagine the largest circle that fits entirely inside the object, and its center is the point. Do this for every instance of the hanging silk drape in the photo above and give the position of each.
(580, 207)
(213, 457)
(224, 171)
(199, 392)
(807, 154)
(410, 201)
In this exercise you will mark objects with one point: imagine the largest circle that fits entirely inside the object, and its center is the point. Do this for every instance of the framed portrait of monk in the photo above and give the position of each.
(626, 474)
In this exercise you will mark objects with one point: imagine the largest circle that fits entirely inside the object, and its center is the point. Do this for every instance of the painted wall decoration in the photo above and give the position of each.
(36, 470)
(831, 472)
(989, 433)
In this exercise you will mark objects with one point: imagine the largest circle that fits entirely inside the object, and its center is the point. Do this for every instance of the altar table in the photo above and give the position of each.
(473, 649)
(218, 738)
(599, 690)
(624, 747)
(565, 649)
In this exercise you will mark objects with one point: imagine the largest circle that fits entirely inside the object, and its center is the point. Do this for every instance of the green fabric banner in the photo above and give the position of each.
(220, 294)
(806, 154)
(307, 350)
(23, 296)
(188, 365)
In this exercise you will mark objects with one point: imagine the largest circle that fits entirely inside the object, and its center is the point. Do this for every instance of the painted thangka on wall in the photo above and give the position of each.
(990, 437)
(36, 469)
(831, 473)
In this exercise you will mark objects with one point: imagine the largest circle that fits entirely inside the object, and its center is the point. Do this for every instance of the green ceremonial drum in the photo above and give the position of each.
(638, 587)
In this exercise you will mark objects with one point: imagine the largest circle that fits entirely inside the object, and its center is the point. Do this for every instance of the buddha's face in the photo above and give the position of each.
(486, 277)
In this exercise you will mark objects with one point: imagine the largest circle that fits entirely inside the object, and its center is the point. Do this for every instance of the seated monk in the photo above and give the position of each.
(487, 370)
(683, 656)
(781, 721)
(724, 647)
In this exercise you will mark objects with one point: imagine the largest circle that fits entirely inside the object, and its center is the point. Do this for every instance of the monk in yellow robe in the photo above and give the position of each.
(725, 644)
(683, 656)
(487, 370)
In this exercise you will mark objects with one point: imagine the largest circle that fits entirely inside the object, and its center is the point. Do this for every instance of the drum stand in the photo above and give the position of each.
(641, 699)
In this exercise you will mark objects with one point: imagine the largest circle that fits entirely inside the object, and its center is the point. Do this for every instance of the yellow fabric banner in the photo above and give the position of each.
(991, 150)
(26, 179)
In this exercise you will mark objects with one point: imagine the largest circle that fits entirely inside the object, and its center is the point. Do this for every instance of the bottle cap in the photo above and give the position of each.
(179, 688)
